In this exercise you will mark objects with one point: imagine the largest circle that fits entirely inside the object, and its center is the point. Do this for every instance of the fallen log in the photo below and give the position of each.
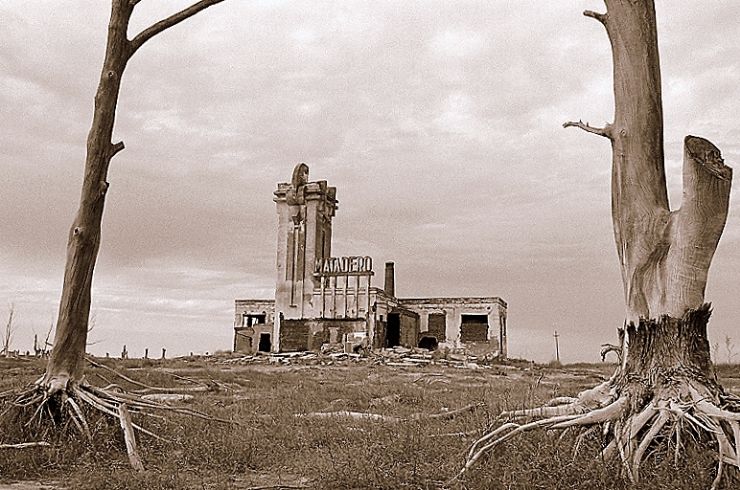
(375, 417)
(24, 445)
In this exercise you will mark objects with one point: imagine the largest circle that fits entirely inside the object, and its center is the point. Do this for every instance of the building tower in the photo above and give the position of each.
(305, 210)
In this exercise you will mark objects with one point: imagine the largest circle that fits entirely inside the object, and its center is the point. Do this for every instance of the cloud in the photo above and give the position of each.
(439, 122)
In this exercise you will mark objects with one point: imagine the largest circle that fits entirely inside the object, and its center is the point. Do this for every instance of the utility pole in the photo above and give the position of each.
(557, 347)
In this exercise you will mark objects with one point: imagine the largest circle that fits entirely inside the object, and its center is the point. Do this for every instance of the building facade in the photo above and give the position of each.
(321, 299)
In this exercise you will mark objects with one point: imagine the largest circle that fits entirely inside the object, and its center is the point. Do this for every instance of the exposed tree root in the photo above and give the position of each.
(631, 426)
(445, 415)
(663, 391)
(146, 389)
(130, 438)
(71, 404)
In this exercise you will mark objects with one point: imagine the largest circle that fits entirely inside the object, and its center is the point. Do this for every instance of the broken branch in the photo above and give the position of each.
(596, 15)
(151, 389)
(445, 415)
(606, 131)
(24, 445)
(128, 435)
(352, 415)
(607, 348)
(115, 148)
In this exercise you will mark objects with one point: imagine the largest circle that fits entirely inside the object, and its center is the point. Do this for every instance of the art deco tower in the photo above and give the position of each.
(305, 210)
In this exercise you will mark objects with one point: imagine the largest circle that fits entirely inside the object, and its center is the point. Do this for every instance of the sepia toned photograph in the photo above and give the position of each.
(369, 244)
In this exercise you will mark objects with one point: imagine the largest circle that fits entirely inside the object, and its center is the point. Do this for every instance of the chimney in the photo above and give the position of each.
(390, 279)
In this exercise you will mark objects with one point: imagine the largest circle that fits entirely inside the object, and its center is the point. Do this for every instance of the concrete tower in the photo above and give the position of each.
(305, 210)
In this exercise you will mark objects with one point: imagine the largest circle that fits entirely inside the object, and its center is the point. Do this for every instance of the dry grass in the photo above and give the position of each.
(273, 447)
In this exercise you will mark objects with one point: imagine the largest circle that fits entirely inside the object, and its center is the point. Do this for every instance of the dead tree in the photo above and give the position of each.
(8, 334)
(67, 358)
(665, 380)
(730, 348)
(63, 379)
(47, 343)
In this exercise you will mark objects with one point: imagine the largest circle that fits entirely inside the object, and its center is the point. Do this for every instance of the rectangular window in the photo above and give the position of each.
(250, 319)
(474, 328)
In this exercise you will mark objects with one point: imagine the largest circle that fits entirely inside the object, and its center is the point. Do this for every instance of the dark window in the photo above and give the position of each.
(474, 328)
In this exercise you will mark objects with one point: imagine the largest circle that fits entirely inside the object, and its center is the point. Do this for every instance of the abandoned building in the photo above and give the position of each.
(321, 299)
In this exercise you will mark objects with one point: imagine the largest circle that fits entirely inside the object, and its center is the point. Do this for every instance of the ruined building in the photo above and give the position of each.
(322, 299)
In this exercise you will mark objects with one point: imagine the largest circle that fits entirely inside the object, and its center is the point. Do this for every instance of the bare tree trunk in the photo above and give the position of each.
(665, 380)
(8, 334)
(664, 255)
(67, 356)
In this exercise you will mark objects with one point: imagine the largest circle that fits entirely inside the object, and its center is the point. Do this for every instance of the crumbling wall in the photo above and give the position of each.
(243, 339)
(437, 326)
(409, 329)
(380, 331)
(299, 335)
(456, 318)
(252, 317)
(294, 335)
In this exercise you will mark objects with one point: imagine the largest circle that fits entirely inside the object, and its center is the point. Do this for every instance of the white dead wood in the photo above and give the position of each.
(130, 438)
(664, 383)
(168, 397)
(447, 414)
(24, 445)
(374, 417)
(147, 389)
(443, 415)
(8, 333)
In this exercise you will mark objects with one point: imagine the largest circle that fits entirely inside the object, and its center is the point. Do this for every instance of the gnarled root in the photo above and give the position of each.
(631, 424)
(69, 401)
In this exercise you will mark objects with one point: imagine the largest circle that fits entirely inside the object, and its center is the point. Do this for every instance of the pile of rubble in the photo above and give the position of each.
(396, 357)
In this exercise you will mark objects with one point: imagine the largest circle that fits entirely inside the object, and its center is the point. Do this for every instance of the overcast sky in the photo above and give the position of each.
(438, 122)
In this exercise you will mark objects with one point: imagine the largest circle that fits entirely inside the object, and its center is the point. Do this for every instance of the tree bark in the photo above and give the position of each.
(665, 380)
(66, 362)
(83, 242)
(661, 275)
(664, 255)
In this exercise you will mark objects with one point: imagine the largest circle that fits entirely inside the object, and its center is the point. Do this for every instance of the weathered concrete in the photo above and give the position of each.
(454, 310)
(319, 298)
(252, 318)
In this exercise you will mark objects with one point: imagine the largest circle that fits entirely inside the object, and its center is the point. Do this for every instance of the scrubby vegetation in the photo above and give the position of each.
(269, 446)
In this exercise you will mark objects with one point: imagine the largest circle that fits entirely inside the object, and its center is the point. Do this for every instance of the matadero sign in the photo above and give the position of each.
(343, 281)
(344, 266)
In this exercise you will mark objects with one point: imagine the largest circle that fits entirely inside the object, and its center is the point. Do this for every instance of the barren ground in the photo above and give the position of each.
(274, 447)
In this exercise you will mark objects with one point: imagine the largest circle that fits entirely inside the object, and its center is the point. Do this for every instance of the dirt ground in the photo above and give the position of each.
(272, 443)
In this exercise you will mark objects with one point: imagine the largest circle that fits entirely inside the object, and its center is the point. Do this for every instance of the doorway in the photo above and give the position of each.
(393, 330)
(265, 344)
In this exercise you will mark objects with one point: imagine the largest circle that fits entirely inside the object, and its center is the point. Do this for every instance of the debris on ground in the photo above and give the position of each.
(168, 397)
(396, 357)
